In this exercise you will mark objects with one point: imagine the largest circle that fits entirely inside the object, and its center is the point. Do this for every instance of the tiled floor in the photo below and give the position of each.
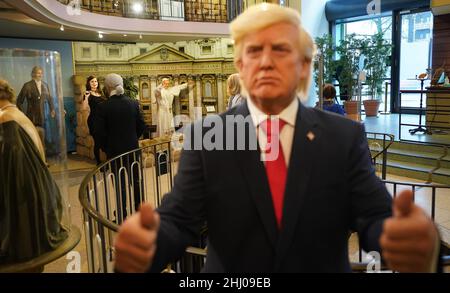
(79, 167)
(390, 124)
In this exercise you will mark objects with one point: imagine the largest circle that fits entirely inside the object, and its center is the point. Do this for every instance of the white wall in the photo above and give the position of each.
(315, 22)
(313, 16)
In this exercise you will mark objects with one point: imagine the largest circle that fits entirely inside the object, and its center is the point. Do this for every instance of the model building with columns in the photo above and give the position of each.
(207, 63)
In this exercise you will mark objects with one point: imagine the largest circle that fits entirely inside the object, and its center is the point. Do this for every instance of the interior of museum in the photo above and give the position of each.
(385, 65)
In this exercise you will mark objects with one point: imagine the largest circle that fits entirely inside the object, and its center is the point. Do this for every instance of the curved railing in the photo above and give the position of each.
(184, 10)
(114, 189)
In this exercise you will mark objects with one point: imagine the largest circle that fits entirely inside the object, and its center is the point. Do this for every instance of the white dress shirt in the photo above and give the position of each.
(288, 115)
(39, 86)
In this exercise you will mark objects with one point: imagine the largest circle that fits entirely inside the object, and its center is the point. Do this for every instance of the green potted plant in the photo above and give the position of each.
(377, 53)
(347, 67)
(326, 48)
(131, 90)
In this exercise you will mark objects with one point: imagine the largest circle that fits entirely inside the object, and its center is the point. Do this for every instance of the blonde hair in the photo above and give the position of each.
(234, 84)
(264, 15)
(7, 92)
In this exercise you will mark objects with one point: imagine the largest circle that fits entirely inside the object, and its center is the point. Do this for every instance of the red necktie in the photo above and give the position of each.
(276, 169)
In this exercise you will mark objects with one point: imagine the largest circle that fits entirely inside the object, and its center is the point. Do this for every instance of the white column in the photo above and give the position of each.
(153, 98)
(191, 99)
(136, 83)
(220, 95)
(198, 85)
(176, 101)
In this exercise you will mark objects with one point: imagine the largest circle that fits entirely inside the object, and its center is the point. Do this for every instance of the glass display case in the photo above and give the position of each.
(34, 207)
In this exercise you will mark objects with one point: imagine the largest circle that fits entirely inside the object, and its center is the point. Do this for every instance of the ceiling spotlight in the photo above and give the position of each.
(100, 35)
(125, 35)
(138, 7)
(61, 28)
(140, 37)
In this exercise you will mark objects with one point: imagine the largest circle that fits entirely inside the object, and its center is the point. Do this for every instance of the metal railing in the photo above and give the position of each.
(184, 10)
(379, 144)
(426, 196)
(114, 190)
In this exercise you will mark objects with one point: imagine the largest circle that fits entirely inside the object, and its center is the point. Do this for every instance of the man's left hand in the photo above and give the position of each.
(409, 237)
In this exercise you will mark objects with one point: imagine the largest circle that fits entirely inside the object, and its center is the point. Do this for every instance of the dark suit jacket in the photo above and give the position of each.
(331, 189)
(118, 125)
(35, 101)
(94, 101)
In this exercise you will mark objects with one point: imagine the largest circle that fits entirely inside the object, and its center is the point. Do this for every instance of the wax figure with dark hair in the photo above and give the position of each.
(285, 211)
(95, 97)
(30, 201)
(118, 125)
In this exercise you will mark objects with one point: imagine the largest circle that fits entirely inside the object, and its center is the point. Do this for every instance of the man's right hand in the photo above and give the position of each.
(135, 243)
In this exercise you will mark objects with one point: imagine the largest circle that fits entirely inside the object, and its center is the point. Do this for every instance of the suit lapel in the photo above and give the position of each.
(302, 159)
(254, 173)
(35, 87)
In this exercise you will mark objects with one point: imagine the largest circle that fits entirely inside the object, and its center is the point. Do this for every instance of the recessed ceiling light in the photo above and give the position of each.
(100, 35)
(61, 28)
(140, 37)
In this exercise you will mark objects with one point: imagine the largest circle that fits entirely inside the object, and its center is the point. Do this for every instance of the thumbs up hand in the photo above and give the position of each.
(409, 238)
(135, 244)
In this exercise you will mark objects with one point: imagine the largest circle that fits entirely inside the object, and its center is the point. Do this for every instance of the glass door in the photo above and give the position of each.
(416, 33)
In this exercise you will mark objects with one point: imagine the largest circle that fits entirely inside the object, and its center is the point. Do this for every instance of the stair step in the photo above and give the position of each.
(418, 147)
(409, 165)
(412, 146)
(418, 171)
(415, 160)
(418, 154)
(425, 158)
